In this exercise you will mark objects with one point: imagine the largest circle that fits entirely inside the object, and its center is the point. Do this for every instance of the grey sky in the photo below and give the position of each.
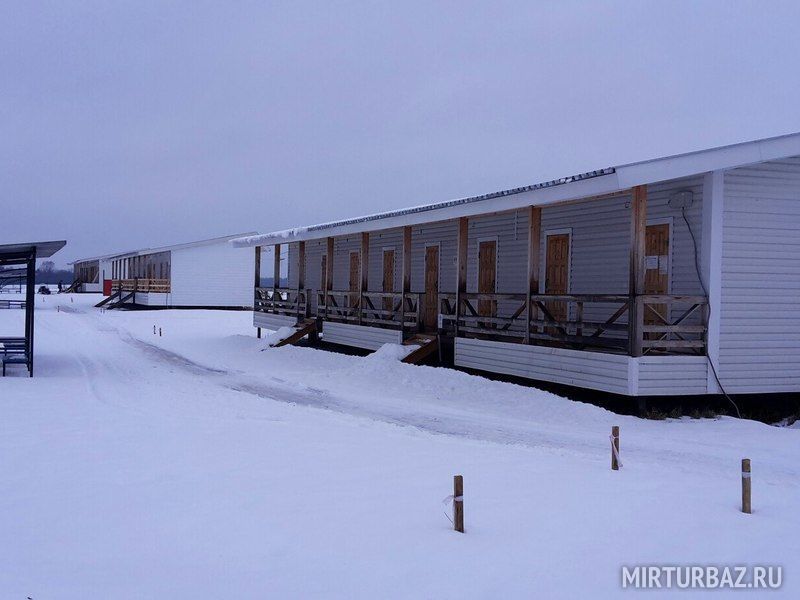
(129, 124)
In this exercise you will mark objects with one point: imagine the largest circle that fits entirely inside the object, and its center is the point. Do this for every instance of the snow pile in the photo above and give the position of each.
(187, 466)
(277, 336)
(391, 352)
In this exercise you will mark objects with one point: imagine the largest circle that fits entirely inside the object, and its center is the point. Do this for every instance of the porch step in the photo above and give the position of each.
(105, 301)
(301, 330)
(72, 287)
(120, 301)
(426, 345)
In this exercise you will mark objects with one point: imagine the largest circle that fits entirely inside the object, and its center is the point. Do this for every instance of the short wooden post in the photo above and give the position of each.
(159, 332)
(615, 449)
(746, 506)
(154, 329)
(458, 503)
(258, 332)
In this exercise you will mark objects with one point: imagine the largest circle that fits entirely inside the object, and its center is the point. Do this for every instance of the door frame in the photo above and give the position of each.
(384, 250)
(425, 263)
(438, 277)
(671, 222)
(487, 238)
(543, 266)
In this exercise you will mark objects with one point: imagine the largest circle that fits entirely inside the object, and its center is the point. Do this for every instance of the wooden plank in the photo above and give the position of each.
(534, 260)
(258, 267)
(328, 274)
(405, 275)
(461, 265)
(363, 285)
(276, 267)
(637, 269)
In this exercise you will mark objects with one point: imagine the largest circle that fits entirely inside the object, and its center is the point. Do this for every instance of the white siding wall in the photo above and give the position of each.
(592, 370)
(670, 375)
(760, 313)
(359, 336)
(212, 275)
(270, 321)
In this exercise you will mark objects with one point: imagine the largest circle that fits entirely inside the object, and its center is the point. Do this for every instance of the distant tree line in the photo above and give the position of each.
(48, 274)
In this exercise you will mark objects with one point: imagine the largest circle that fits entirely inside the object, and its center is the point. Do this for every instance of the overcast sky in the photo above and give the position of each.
(133, 124)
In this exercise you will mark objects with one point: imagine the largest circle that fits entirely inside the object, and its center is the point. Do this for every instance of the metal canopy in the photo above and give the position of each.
(14, 349)
(42, 249)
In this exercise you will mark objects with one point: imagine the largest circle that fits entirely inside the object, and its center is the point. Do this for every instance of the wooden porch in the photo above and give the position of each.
(154, 286)
(643, 321)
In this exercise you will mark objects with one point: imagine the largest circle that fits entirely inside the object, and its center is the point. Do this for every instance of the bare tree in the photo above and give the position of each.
(47, 266)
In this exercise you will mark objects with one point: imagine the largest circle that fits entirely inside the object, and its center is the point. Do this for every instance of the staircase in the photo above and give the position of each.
(121, 300)
(301, 330)
(108, 299)
(426, 345)
(72, 288)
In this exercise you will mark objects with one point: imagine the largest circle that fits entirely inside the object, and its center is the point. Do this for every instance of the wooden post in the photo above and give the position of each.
(276, 267)
(637, 269)
(363, 285)
(461, 266)
(406, 277)
(257, 284)
(301, 279)
(746, 505)
(534, 260)
(458, 503)
(615, 450)
(328, 273)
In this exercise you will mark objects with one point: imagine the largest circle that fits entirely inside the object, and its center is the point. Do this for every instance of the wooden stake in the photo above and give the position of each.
(615, 441)
(458, 503)
(746, 506)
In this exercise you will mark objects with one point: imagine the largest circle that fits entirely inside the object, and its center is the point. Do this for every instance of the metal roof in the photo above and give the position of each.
(144, 251)
(43, 249)
(601, 181)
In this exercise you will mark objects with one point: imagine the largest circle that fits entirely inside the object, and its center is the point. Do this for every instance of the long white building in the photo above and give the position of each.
(651, 278)
(202, 274)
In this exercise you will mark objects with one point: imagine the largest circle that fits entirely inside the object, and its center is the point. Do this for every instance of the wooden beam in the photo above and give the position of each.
(276, 267)
(534, 262)
(329, 272)
(363, 285)
(301, 276)
(258, 267)
(637, 268)
(461, 265)
(405, 276)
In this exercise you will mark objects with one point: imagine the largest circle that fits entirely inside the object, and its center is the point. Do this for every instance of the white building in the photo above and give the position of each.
(649, 278)
(203, 274)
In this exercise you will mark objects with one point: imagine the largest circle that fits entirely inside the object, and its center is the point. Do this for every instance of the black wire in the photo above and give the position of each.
(705, 291)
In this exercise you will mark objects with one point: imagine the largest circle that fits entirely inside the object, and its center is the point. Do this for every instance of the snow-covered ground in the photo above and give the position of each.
(203, 464)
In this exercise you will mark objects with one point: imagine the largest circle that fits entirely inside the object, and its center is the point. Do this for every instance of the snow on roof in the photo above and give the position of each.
(143, 251)
(601, 181)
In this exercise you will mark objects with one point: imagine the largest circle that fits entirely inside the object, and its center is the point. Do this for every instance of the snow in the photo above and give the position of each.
(276, 336)
(204, 464)
(391, 352)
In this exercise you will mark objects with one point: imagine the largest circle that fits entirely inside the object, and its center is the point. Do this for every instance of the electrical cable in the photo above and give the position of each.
(705, 291)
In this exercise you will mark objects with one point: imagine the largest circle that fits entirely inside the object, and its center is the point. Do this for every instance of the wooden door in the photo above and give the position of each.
(355, 277)
(557, 273)
(656, 277)
(388, 281)
(431, 302)
(487, 277)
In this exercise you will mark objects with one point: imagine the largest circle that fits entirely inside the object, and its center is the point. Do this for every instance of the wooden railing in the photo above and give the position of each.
(12, 304)
(663, 323)
(282, 301)
(393, 310)
(155, 286)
